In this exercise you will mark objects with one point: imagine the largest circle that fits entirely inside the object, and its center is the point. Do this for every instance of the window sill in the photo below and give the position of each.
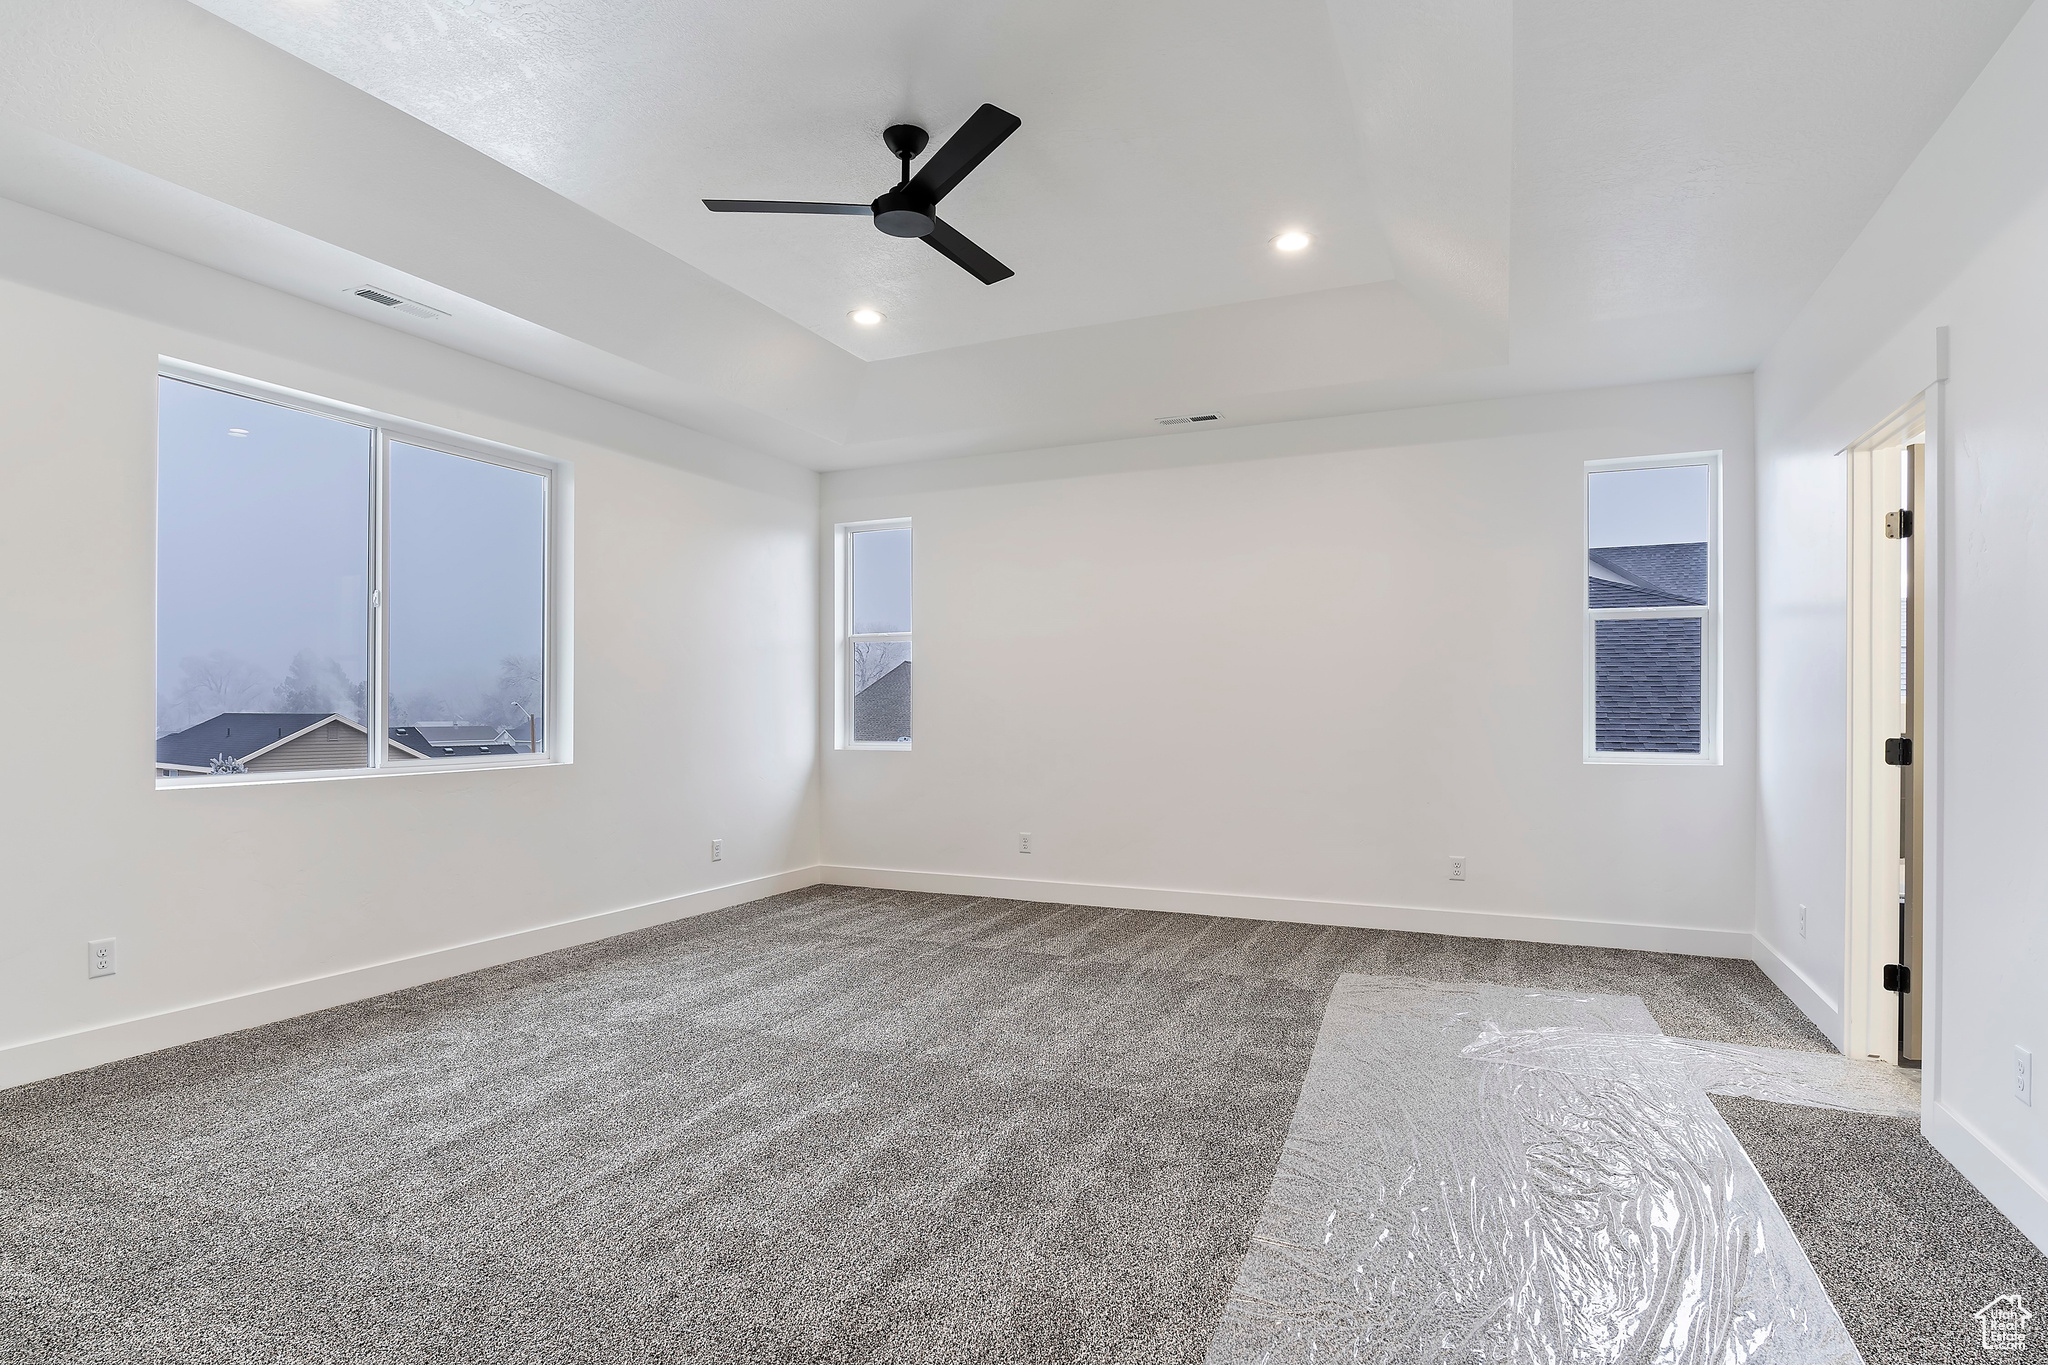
(875, 748)
(412, 768)
(1644, 760)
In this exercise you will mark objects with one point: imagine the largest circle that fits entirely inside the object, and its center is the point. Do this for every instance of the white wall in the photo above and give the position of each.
(1289, 670)
(694, 665)
(1958, 244)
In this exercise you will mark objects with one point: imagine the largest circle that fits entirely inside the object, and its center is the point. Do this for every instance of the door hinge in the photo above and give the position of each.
(1899, 752)
(1897, 977)
(1898, 525)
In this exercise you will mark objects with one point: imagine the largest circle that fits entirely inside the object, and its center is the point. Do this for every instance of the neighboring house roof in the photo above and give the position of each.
(881, 710)
(1676, 572)
(1607, 592)
(453, 741)
(438, 733)
(1646, 685)
(235, 734)
(246, 734)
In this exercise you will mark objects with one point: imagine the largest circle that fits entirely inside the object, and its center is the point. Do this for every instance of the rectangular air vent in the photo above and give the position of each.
(1192, 417)
(411, 307)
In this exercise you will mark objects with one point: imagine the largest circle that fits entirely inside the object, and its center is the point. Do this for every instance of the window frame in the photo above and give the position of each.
(385, 428)
(1709, 616)
(842, 665)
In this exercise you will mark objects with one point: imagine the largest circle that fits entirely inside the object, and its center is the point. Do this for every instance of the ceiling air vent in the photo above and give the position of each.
(1192, 417)
(411, 307)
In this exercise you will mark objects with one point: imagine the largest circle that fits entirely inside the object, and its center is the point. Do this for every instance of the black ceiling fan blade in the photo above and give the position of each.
(949, 243)
(784, 206)
(983, 132)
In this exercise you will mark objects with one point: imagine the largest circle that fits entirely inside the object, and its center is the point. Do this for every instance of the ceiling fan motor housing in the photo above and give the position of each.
(903, 212)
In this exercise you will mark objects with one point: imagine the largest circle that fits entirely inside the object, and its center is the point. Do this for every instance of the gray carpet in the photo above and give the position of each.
(836, 1125)
(1905, 1246)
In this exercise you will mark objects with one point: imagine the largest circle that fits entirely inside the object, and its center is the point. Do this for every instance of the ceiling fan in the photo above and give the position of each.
(911, 209)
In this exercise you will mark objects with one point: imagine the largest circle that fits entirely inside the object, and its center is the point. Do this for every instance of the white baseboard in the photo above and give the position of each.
(42, 1057)
(1654, 938)
(1804, 991)
(1984, 1164)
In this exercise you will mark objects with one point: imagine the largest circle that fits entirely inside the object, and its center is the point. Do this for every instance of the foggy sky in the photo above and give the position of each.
(881, 582)
(1648, 506)
(263, 551)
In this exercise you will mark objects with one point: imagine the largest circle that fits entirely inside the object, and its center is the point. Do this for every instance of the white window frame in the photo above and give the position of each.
(555, 590)
(842, 681)
(1709, 616)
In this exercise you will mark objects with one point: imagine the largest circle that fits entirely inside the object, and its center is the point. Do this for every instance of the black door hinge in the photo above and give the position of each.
(1899, 752)
(1898, 525)
(1898, 977)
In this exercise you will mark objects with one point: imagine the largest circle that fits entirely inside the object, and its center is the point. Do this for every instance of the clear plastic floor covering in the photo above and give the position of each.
(1488, 1173)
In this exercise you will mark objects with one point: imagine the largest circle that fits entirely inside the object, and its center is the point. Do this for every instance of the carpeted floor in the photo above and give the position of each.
(1907, 1248)
(835, 1125)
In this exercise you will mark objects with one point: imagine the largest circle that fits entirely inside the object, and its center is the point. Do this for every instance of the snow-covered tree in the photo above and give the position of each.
(209, 684)
(316, 682)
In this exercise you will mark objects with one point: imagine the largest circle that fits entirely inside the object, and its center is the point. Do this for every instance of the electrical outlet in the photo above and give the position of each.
(99, 957)
(2023, 1076)
(718, 850)
(1023, 843)
(1802, 921)
(1457, 867)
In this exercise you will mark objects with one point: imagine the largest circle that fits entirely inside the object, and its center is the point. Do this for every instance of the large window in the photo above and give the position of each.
(325, 576)
(874, 635)
(1652, 610)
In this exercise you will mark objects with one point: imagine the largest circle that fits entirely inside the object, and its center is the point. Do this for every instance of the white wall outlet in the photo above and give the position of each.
(1023, 843)
(1802, 921)
(718, 850)
(1457, 867)
(99, 957)
(2023, 1076)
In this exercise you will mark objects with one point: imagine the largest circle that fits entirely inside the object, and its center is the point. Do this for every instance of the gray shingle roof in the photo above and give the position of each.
(1646, 673)
(881, 710)
(452, 741)
(233, 733)
(1677, 571)
(240, 733)
(1605, 592)
(1646, 685)
(458, 734)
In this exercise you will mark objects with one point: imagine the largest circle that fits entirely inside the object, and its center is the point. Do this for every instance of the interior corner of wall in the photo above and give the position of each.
(1809, 995)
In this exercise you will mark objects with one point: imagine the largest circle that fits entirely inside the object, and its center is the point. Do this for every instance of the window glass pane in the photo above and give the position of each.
(881, 582)
(1646, 538)
(1646, 679)
(881, 691)
(468, 562)
(263, 553)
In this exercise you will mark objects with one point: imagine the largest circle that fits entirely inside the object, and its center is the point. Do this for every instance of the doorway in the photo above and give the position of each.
(1888, 483)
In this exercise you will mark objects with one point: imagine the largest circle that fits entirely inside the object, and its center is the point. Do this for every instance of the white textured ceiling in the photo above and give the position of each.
(1164, 142)
(1507, 197)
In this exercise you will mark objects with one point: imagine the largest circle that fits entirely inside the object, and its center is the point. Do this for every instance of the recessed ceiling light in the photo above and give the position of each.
(238, 431)
(1291, 240)
(866, 317)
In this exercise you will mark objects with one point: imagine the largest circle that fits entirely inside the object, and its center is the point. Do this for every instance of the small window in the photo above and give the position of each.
(324, 576)
(1652, 610)
(874, 636)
